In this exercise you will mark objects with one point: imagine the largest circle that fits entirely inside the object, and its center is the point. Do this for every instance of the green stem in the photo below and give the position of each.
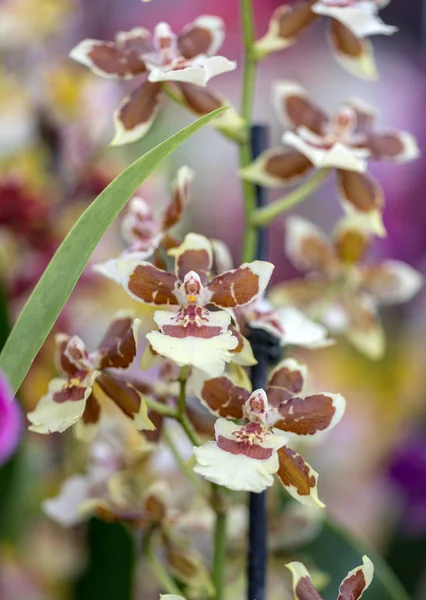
(182, 464)
(161, 409)
(263, 216)
(164, 579)
(249, 83)
(189, 430)
(218, 571)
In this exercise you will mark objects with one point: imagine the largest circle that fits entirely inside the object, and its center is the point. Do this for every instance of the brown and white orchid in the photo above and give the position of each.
(246, 457)
(187, 60)
(88, 386)
(345, 141)
(340, 289)
(350, 23)
(196, 333)
(352, 587)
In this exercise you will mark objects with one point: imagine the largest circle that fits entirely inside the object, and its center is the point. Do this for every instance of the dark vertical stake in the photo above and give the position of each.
(257, 554)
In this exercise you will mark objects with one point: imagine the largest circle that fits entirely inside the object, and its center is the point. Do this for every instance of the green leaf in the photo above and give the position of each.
(52, 291)
(335, 551)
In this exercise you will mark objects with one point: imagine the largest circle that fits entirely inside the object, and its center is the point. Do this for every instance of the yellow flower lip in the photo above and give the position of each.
(191, 298)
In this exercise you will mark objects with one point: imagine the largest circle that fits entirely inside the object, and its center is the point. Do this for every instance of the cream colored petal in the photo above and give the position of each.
(235, 471)
(50, 416)
(199, 73)
(65, 508)
(299, 330)
(361, 19)
(209, 355)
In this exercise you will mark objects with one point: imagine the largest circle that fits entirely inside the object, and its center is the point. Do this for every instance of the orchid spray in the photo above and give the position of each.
(200, 317)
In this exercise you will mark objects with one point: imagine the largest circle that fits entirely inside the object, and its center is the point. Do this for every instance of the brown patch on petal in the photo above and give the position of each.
(63, 364)
(344, 40)
(234, 288)
(152, 285)
(224, 398)
(352, 587)
(283, 384)
(155, 508)
(123, 394)
(174, 210)
(301, 292)
(292, 20)
(306, 416)
(194, 40)
(114, 60)
(303, 112)
(288, 165)
(141, 106)
(351, 245)
(118, 347)
(200, 100)
(69, 393)
(318, 254)
(360, 190)
(199, 261)
(92, 411)
(239, 337)
(250, 450)
(385, 146)
(191, 330)
(305, 590)
(295, 472)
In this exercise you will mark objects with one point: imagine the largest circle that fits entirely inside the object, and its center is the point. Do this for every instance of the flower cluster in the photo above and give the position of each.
(245, 457)
(351, 22)
(187, 61)
(340, 289)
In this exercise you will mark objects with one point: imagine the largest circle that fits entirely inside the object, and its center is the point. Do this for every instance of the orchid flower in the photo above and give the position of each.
(352, 587)
(88, 386)
(339, 288)
(195, 335)
(345, 142)
(351, 22)
(245, 457)
(187, 61)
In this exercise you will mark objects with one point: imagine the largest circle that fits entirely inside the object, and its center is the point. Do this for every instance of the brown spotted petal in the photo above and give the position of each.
(364, 329)
(286, 24)
(310, 415)
(221, 396)
(204, 36)
(127, 398)
(135, 115)
(63, 364)
(63, 405)
(243, 353)
(120, 59)
(194, 254)
(240, 286)
(308, 248)
(118, 348)
(145, 282)
(286, 380)
(180, 198)
(202, 101)
(361, 193)
(303, 587)
(357, 581)
(278, 167)
(355, 54)
(391, 282)
(298, 477)
(294, 108)
(303, 293)
(351, 238)
(393, 146)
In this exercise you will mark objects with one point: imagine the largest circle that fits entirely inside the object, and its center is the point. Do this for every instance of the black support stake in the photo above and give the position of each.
(257, 553)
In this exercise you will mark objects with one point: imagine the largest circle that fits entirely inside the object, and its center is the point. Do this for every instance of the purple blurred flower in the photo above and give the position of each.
(10, 420)
(408, 472)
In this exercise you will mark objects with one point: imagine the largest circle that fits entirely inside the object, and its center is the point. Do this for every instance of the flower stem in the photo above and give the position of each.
(249, 84)
(161, 409)
(263, 216)
(182, 464)
(218, 571)
(164, 579)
